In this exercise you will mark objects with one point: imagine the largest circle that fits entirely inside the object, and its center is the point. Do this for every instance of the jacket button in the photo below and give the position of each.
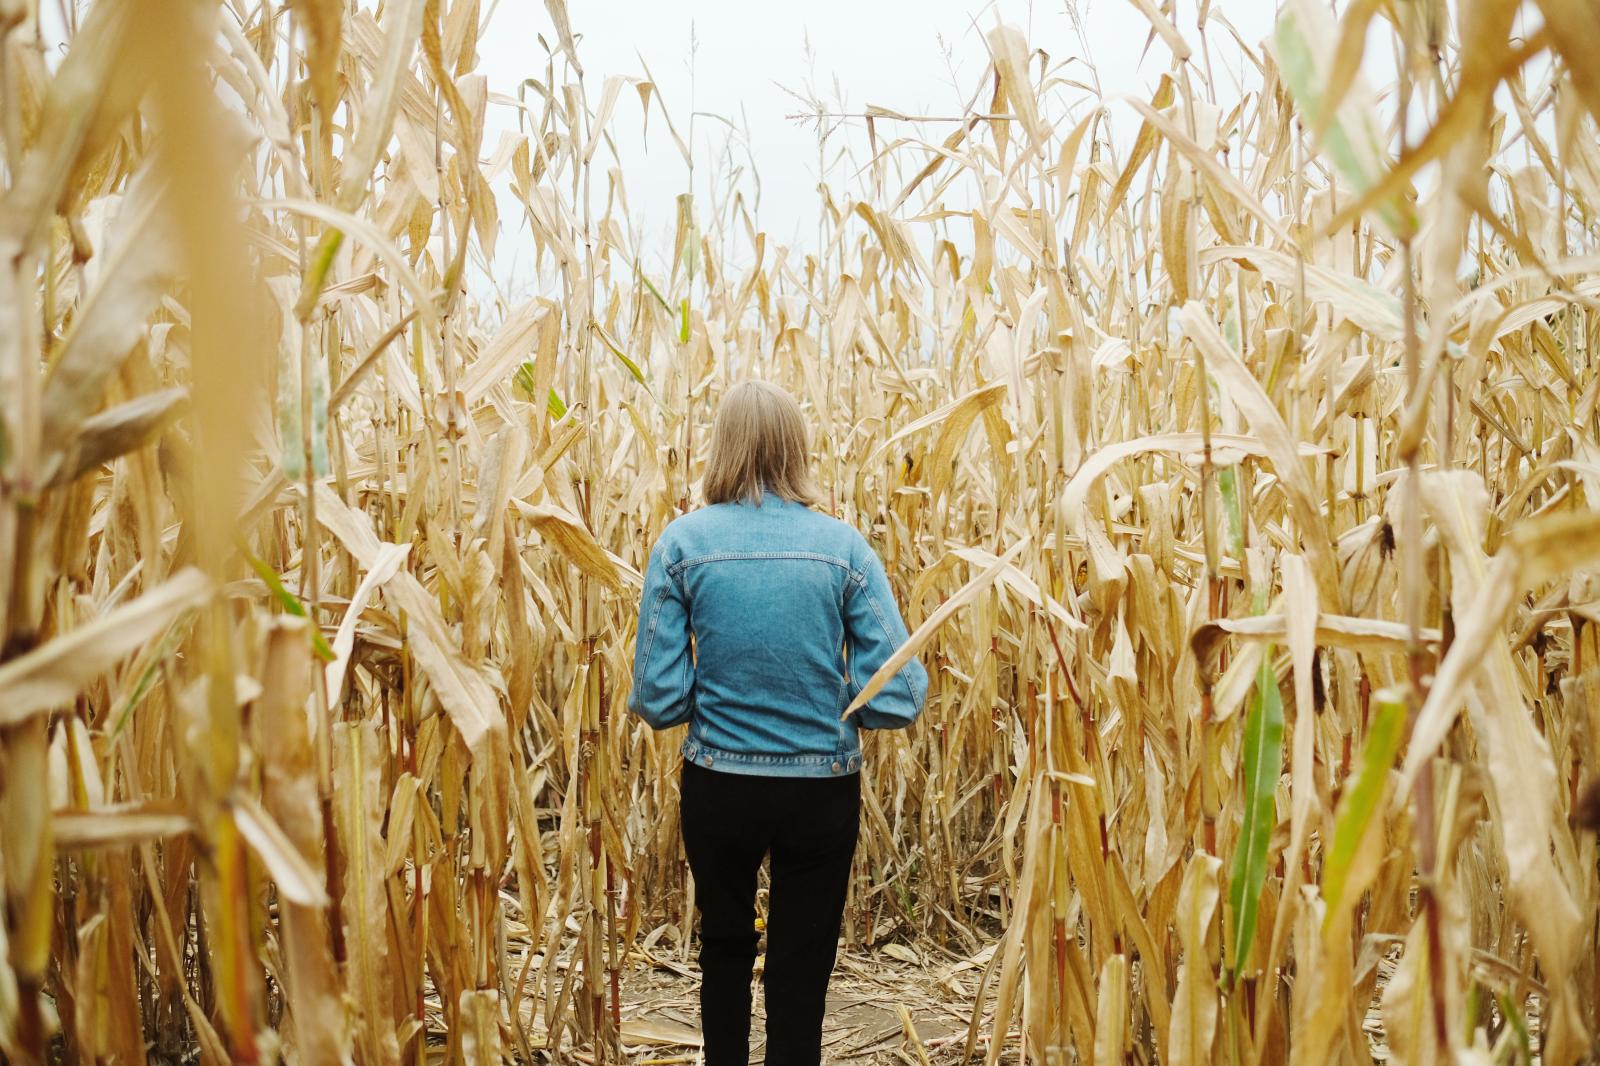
(708, 760)
(835, 767)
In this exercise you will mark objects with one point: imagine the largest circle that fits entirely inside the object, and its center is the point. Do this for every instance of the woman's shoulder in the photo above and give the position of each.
(695, 526)
(840, 528)
(845, 539)
(712, 526)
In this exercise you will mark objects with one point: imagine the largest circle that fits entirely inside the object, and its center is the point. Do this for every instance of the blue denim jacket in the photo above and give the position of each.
(791, 613)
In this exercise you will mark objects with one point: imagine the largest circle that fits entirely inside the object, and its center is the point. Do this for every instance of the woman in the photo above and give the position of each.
(790, 613)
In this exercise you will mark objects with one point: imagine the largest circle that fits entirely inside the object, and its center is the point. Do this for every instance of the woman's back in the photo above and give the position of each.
(774, 594)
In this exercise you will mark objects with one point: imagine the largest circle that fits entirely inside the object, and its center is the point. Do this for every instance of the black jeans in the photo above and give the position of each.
(809, 825)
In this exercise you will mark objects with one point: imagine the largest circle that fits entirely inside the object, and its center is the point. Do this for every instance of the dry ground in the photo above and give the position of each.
(864, 1024)
(864, 1027)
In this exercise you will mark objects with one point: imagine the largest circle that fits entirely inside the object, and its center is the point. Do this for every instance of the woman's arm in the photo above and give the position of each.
(873, 630)
(663, 668)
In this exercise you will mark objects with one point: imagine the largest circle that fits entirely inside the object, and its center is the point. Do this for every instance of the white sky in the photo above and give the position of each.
(737, 58)
(911, 56)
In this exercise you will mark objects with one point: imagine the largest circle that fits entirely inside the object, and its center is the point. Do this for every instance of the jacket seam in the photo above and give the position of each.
(642, 665)
(681, 565)
(808, 758)
(685, 682)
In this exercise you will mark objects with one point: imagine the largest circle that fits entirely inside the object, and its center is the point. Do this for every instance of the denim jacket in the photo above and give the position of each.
(790, 613)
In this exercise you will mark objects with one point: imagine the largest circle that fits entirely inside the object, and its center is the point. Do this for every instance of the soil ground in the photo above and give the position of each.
(864, 1026)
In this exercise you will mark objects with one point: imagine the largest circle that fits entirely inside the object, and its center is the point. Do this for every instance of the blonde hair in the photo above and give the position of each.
(758, 441)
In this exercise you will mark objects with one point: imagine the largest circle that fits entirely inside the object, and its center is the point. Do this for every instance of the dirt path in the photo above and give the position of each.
(864, 1026)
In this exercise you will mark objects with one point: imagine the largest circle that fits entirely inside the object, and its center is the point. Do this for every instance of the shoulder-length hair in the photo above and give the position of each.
(758, 441)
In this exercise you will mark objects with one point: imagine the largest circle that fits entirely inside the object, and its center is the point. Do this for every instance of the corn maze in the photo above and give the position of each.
(1233, 475)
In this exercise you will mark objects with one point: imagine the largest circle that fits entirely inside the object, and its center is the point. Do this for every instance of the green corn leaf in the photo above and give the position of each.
(317, 272)
(523, 378)
(524, 383)
(660, 299)
(1230, 323)
(290, 426)
(622, 356)
(1519, 1028)
(688, 238)
(289, 433)
(1360, 799)
(319, 417)
(633, 368)
(683, 327)
(1228, 486)
(1263, 762)
(146, 678)
(290, 603)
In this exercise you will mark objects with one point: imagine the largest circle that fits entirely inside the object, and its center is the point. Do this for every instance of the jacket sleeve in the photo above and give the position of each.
(663, 668)
(873, 630)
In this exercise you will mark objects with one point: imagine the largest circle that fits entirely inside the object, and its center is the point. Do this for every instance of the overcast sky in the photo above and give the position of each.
(911, 56)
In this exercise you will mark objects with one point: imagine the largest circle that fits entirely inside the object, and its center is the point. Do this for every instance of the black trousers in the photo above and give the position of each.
(809, 825)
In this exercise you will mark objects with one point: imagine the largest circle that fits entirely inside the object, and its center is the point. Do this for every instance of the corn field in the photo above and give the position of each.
(1234, 476)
